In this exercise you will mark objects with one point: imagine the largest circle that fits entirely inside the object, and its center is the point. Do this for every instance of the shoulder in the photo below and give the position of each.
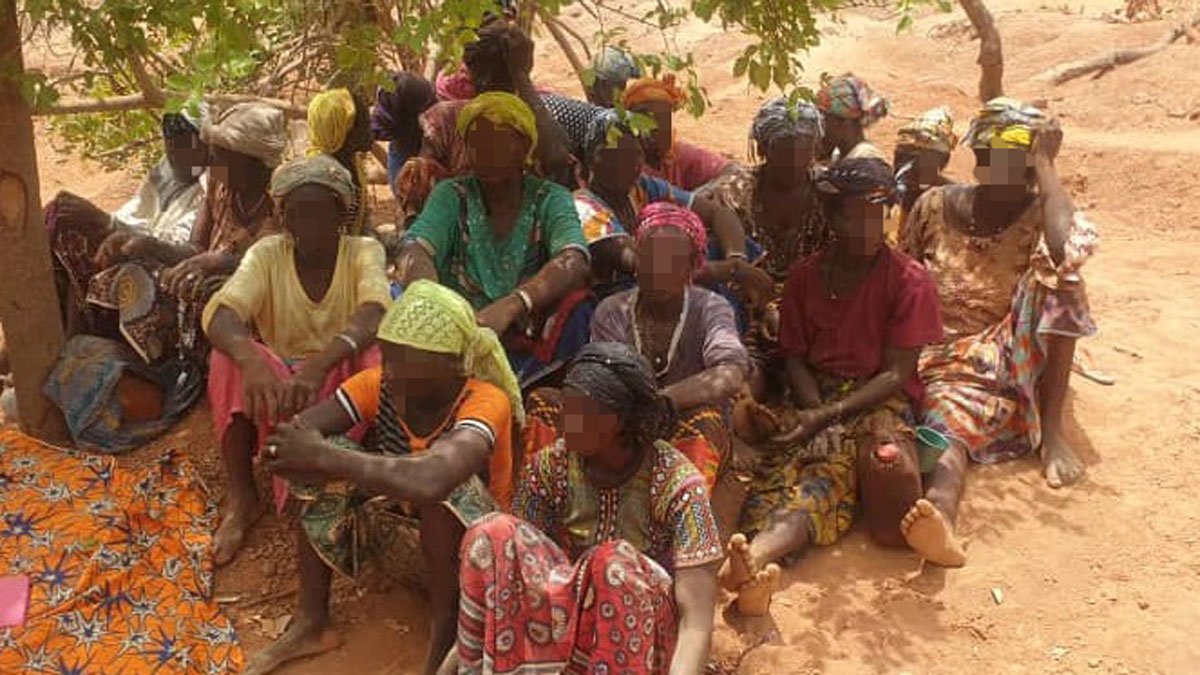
(362, 245)
(269, 247)
(707, 300)
(551, 461)
(479, 391)
(675, 475)
(906, 269)
(546, 189)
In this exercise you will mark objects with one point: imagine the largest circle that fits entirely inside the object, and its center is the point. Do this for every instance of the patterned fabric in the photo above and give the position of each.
(88, 383)
(700, 434)
(501, 108)
(316, 169)
(175, 125)
(254, 129)
(823, 489)
(663, 511)
(455, 86)
(688, 166)
(864, 178)
(981, 391)
(977, 277)
(236, 225)
(931, 130)
(1005, 123)
(739, 191)
(600, 221)
(119, 565)
(435, 319)
(611, 610)
(656, 216)
(782, 118)
(575, 118)
(615, 65)
(330, 119)
(849, 97)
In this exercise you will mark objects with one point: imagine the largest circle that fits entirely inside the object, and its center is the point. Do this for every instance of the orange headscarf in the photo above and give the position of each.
(647, 89)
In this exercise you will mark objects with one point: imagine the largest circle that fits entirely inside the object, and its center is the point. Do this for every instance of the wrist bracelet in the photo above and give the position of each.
(735, 255)
(525, 299)
(345, 337)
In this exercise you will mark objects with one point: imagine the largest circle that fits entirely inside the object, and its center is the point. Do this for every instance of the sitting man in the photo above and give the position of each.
(854, 319)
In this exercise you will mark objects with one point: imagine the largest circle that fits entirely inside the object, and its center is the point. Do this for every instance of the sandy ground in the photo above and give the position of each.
(1099, 578)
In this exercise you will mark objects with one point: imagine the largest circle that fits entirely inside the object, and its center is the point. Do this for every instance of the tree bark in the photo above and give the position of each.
(991, 57)
(28, 298)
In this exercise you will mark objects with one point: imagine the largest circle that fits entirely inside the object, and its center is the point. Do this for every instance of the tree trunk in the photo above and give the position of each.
(991, 58)
(28, 299)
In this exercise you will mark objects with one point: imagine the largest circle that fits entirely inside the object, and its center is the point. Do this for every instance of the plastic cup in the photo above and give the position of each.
(931, 443)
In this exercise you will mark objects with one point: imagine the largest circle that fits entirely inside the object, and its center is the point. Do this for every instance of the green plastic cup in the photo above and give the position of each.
(931, 443)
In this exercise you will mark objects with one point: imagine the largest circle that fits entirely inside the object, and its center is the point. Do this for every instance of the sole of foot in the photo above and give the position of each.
(1062, 466)
(231, 533)
(930, 535)
(739, 565)
(754, 598)
(297, 642)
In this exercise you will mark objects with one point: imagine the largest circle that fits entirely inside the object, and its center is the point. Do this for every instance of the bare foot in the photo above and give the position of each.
(231, 533)
(754, 598)
(927, 532)
(739, 565)
(302, 638)
(1063, 466)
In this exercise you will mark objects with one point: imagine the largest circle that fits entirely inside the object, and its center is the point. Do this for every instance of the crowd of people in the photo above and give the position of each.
(588, 326)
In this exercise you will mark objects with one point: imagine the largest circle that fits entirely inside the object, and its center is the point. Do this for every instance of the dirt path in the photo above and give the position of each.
(1100, 578)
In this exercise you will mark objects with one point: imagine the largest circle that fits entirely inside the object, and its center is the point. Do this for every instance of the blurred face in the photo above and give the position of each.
(416, 374)
(788, 159)
(839, 132)
(589, 429)
(603, 92)
(187, 156)
(665, 262)
(859, 226)
(313, 215)
(497, 152)
(617, 167)
(927, 164)
(1005, 172)
(661, 112)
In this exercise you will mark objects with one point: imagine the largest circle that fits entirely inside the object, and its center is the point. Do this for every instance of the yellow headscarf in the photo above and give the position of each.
(1005, 123)
(648, 89)
(330, 118)
(435, 319)
(500, 107)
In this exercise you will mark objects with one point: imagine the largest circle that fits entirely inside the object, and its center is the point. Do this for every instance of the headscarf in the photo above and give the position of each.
(330, 118)
(397, 112)
(254, 129)
(780, 118)
(597, 133)
(501, 107)
(320, 170)
(866, 178)
(616, 376)
(849, 97)
(658, 215)
(175, 125)
(455, 86)
(931, 130)
(1005, 123)
(616, 65)
(647, 89)
(433, 318)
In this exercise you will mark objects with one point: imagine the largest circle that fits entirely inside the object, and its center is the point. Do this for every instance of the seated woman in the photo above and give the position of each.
(612, 68)
(500, 60)
(314, 297)
(679, 163)
(686, 332)
(339, 125)
(618, 189)
(849, 107)
(855, 317)
(507, 241)
(165, 209)
(778, 205)
(396, 119)
(607, 561)
(923, 149)
(1005, 255)
(441, 414)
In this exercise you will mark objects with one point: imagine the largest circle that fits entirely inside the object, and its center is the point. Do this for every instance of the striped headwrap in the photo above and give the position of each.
(849, 97)
(866, 178)
(658, 215)
(781, 118)
(1005, 123)
(617, 377)
(931, 130)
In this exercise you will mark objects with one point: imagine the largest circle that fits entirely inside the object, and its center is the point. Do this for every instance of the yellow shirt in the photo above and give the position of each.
(266, 293)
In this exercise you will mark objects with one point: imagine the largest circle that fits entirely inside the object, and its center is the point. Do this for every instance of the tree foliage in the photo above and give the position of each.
(123, 60)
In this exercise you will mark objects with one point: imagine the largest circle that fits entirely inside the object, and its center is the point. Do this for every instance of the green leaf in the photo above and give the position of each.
(906, 22)
(760, 75)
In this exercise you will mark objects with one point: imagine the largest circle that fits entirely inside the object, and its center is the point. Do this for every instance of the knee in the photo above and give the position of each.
(492, 527)
(889, 483)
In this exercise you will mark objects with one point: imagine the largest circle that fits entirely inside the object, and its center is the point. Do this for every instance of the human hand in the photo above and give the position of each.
(501, 314)
(755, 285)
(72, 207)
(806, 425)
(184, 280)
(1047, 141)
(302, 390)
(297, 452)
(264, 392)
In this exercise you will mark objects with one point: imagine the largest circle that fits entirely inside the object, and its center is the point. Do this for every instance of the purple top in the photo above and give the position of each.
(709, 338)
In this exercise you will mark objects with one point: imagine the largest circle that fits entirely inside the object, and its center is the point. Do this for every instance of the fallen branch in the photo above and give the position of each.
(100, 105)
(1117, 57)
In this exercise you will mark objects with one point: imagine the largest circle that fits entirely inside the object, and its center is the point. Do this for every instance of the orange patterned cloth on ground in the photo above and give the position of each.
(119, 562)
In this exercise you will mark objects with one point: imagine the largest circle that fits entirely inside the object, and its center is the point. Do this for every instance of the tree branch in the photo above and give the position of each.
(564, 44)
(102, 105)
(1118, 57)
(991, 56)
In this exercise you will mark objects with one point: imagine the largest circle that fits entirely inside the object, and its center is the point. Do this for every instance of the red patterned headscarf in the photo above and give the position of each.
(664, 214)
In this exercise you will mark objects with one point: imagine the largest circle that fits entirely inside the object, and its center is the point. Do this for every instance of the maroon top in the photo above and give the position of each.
(896, 306)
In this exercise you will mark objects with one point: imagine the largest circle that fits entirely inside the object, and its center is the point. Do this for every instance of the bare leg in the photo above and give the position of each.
(309, 633)
(441, 538)
(243, 507)
(787, 533)
(890, 483)
(1062, 465)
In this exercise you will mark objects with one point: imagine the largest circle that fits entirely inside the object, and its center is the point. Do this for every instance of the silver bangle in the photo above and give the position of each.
(735, 255)
(526, 300)
(348, 340)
